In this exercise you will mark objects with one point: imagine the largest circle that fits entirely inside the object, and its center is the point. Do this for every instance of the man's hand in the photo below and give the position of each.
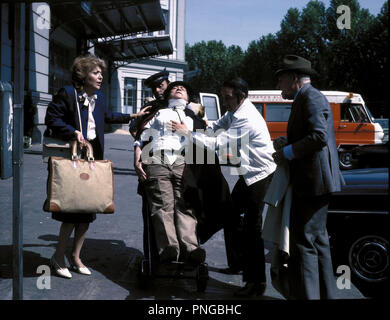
(138, 164)
(140, 171)
(179, 128)
(142, 112)
(280, 143)
(279, 157)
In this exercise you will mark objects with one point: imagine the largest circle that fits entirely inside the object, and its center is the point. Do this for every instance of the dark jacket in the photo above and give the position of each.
(136, 126)
(315, 169)
(62, 117)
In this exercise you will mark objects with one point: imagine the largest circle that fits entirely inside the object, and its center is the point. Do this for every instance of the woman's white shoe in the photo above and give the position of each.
(82, 270)
(62, 272)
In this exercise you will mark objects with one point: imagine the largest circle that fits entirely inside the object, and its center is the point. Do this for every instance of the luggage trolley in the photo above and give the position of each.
(150, 267)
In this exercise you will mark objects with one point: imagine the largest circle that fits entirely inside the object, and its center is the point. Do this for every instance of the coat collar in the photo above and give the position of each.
(294, 107)
(302, 91)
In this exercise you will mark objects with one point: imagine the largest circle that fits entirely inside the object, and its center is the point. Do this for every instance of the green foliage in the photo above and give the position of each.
(351, 59)
(214, 63)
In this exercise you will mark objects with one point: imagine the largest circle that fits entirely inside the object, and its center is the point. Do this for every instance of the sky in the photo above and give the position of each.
(238, 22)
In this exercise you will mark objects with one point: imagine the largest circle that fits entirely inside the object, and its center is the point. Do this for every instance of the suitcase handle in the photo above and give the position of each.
(89, 150)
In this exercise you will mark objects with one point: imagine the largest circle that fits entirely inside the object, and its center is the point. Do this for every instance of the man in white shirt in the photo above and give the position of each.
(243, 127)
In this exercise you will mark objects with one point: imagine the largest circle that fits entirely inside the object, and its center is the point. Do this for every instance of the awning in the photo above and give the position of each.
(135, 48)
(101, 19)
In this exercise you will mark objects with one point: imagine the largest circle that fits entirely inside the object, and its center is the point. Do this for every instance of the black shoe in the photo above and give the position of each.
(197, 255)
(251, 289)
(169, 254)
(230, 270)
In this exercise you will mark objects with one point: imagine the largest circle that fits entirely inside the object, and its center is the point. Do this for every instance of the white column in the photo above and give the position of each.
(180, 43)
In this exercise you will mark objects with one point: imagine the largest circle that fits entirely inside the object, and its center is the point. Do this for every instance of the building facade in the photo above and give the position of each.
(52, 44)
(128, 91)
(36, 53)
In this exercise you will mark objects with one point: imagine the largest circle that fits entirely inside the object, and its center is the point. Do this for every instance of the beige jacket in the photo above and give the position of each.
(276, 226)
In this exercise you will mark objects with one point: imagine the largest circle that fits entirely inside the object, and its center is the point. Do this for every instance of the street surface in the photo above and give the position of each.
(113, 246)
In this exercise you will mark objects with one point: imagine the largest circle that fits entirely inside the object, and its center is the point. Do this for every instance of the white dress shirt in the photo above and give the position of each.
(164, 139)
(246, 131)
(91, 125)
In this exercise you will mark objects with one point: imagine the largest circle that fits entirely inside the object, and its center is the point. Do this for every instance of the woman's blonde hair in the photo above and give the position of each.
(82, 65)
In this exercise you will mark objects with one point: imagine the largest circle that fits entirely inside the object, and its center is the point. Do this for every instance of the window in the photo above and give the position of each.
(146, 92)
(278, 112)
(130, 95)
(166, 19)
(260, 108)
(61, 59)
(353, 113)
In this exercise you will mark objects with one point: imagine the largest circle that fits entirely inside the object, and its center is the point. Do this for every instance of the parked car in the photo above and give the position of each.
(358, 227)
(372, 156)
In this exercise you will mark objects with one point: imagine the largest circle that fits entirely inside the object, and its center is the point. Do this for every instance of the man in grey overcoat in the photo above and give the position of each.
(311, 152)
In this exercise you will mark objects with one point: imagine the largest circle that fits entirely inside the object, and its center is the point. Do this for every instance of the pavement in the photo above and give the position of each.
(113, 247)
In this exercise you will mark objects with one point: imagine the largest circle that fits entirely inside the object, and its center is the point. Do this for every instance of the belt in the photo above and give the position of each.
(164, 151)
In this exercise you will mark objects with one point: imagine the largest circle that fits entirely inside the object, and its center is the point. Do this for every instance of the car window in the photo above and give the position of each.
(259, 107)
(353, 113)
(211, 108)
(278, 112)
(383, 122)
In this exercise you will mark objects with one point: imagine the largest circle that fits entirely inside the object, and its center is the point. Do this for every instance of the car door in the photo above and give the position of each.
(276, 116)
(354, 127)
(211, 104)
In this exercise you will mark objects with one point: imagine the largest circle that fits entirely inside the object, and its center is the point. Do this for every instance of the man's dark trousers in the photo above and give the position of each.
(249, 200)
(310, 266)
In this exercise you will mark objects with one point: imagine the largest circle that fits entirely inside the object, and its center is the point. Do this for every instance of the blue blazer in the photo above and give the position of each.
(315, 169)
(62, 117)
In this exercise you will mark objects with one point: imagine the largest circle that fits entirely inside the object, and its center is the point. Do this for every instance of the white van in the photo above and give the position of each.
(354, 125)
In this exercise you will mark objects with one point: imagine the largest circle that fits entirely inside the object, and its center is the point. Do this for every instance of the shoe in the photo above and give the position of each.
(82, 270)
(197, 255)
(251, 289)
(169, 254)
(230, 271)
(62, 272)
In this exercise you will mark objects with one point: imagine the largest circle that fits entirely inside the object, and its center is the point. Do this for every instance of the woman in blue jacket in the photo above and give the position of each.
(62, 122)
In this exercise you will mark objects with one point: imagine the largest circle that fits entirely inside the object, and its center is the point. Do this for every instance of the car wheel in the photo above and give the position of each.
(345, 160)
(368, 258)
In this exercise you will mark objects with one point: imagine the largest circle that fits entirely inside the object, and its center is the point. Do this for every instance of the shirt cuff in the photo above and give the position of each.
(137, 143)
(288, 152)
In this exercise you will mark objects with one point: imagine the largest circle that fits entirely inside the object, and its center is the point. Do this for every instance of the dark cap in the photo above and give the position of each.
(190, 92)
(295, 63)
(156, 79)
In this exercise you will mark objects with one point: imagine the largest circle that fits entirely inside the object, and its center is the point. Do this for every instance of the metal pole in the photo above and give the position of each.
(17, 148)
(17, 155)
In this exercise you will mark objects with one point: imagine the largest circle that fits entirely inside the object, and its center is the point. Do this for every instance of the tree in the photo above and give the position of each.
(374, 49)
(352, 59)
(214, 63)
(344, 48)
(260, 62)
